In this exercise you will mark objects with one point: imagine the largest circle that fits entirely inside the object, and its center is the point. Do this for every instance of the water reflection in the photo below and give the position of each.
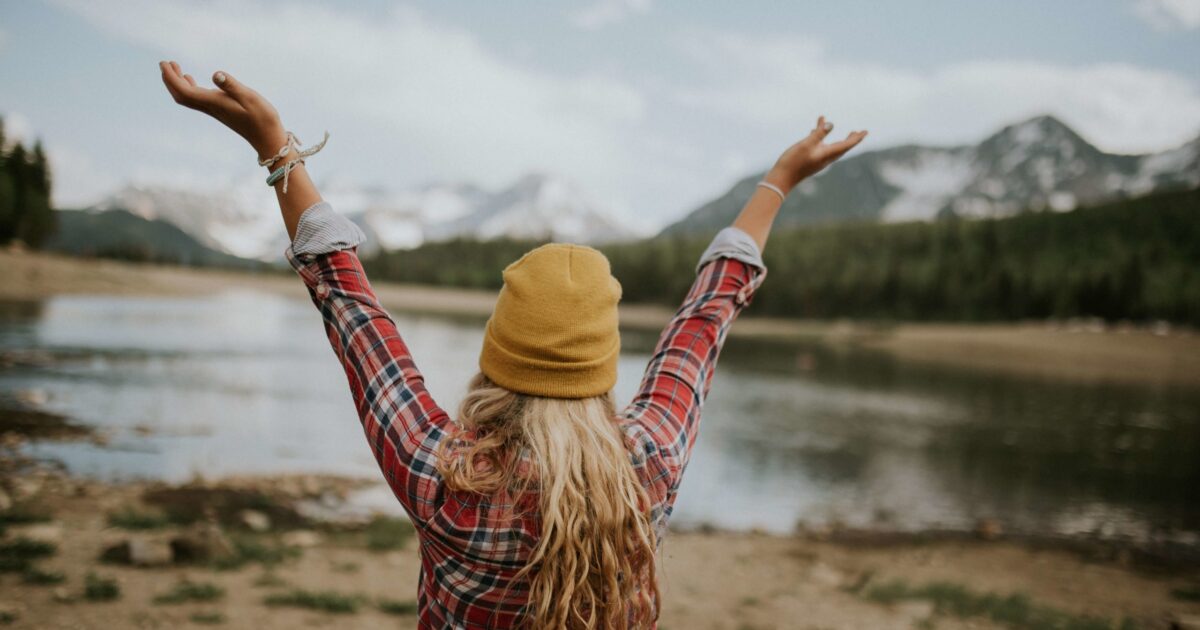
(245, 383)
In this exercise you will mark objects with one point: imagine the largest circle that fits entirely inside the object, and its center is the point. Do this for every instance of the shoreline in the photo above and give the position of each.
(709, 578)
(1070, 351)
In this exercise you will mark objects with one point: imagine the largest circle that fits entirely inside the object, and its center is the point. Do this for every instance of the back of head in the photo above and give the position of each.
(540, 418)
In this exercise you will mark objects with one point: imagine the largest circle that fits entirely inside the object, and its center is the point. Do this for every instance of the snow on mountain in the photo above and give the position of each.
(535, 207)
(1039, 163)
(230, 220)
(243, 220)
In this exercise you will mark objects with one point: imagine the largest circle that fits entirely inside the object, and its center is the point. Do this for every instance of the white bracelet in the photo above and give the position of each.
(773, 188)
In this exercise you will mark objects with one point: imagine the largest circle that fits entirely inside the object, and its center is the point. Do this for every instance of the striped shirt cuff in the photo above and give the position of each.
(733, 243)
(322, 230)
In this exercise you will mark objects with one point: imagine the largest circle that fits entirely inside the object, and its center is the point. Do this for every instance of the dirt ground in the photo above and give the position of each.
(710, 580)
(1077, 351)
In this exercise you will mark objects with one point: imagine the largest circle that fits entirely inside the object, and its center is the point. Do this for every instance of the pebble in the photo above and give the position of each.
(302, 538)
(255, 520)
(145, 551)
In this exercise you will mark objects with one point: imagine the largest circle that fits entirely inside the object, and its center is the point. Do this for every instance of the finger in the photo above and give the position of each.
(838, 149)
(823, 128)
(190, 80)
(188, 94)
(231, 86)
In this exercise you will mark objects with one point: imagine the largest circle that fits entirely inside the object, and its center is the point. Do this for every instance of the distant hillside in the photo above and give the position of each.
(243, 220)
(1038, 163)
(1137, 260)
(120, 234)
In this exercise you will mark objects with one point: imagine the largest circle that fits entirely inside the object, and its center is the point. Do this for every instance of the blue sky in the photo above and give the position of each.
(651, 107)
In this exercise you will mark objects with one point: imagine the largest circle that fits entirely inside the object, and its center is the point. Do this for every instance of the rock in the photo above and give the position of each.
(825, 575)
(989, 529)
(255, 520)
(61, 594)
(26, 487)
(302, 538)
(41, 532)
(915, 610)
(1185, 621)
(10, 611)
(5, 500)
(202, 542)
(146, 551)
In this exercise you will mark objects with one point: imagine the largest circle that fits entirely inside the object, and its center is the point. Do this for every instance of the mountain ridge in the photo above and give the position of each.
(1037, 163)
(235, 221)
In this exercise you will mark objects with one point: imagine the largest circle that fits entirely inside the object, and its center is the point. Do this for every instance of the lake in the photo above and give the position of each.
(793, 434)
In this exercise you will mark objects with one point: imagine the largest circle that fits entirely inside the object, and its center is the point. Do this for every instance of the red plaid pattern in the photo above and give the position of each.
(471, 545)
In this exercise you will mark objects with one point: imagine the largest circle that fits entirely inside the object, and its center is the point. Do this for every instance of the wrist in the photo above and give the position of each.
(781, 178)
(268, 143)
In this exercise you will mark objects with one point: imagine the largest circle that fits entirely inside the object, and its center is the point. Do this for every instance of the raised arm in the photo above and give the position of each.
(664, 417)
(403, 424)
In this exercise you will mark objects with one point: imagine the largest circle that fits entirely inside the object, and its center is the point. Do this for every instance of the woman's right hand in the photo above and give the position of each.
(234, 105)
(809, 156)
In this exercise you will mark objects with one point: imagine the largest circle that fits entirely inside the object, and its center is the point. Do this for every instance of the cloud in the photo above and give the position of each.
(1169, 15)
(601, 13)
(1121, 107)
(420, 99)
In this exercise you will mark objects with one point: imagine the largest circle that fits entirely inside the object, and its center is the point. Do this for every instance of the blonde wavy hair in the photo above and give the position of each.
(593, 566)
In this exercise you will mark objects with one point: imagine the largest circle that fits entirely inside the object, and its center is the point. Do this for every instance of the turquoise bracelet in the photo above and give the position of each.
(276, 175)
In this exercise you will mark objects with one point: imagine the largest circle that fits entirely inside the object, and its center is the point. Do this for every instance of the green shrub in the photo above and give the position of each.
(188, 591)
(325, 601)
(100, 589)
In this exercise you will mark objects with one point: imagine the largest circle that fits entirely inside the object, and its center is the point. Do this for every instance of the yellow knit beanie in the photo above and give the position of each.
(554, 332)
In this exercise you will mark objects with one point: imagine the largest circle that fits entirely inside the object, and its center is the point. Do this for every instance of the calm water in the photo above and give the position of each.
(246, 383)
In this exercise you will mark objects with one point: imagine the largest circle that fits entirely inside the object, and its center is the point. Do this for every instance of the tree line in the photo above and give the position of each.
(1135, 259)
(25, 212)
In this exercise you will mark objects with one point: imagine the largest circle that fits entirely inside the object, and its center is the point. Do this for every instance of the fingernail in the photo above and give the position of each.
(220, 78)
(828, 126)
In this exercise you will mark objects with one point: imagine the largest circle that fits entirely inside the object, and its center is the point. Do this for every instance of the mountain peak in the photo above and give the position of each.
(1037, 130)
(1039, 162)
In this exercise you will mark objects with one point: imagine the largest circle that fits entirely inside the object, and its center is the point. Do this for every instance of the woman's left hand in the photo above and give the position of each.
(234, 104)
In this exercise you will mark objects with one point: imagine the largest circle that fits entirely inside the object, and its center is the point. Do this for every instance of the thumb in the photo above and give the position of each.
(229, 85)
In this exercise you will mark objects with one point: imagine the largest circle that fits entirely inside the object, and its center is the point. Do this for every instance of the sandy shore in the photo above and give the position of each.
(709, 580)
(1074, 351)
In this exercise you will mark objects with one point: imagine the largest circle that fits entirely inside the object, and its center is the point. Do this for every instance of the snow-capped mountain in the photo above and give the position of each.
(243, 221)
(1036, 164)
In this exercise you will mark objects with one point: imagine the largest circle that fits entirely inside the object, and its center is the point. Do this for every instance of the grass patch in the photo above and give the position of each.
(247, 549)
(271, 580)
(7, 617)
(1187, 593)
(1015, 610)
(134, 519)
(386, 533)
(208, 618)
(188, 591)
(17, 556)
(23, 515)
(324, 601)
(188, 504)
(397, 606)
(34, 575)
(97, 588)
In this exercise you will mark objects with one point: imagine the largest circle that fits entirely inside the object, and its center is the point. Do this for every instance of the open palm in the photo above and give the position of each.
(234, 104)
(810, 155)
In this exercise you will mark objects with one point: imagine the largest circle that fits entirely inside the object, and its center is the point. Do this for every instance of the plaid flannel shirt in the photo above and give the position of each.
(473, 546)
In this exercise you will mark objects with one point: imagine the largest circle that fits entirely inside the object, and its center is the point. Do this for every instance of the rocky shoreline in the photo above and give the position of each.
(279, 552)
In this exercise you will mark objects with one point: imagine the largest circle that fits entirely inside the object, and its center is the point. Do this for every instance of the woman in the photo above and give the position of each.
(541, 505)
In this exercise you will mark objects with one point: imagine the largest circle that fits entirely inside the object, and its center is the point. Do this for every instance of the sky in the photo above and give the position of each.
(650, 107)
